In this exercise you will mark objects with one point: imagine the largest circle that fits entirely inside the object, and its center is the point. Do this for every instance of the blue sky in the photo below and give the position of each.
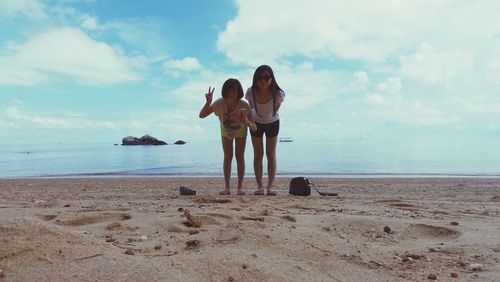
(78, 71)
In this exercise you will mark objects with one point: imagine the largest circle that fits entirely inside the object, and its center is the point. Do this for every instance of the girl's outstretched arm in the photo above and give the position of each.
(207, 109)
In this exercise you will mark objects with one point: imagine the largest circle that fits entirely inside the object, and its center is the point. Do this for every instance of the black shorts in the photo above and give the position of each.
(271, 129)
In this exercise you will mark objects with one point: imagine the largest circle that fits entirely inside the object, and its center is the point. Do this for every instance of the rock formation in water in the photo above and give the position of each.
(144, 140)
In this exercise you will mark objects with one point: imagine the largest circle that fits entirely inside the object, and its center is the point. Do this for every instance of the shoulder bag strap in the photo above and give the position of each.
(323, 193)
(255, 104)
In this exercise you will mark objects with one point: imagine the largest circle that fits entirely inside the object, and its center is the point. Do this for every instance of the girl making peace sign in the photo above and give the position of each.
(234, 116)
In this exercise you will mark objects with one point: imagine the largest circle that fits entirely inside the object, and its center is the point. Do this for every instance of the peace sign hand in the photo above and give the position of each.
(209, 95)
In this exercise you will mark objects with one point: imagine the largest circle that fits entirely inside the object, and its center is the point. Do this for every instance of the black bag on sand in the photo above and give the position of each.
(301, 186)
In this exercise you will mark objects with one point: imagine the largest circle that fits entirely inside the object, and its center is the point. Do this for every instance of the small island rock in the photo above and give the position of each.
(144, 140)
(180, 142)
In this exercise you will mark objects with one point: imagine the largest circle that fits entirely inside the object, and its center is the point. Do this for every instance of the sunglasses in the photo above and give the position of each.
(264, 77)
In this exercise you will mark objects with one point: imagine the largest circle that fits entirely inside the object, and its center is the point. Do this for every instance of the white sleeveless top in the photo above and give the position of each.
(265, 113)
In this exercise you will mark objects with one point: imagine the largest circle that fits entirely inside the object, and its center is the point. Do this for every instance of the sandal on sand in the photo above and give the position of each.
(242, 192)
(259, 192)
(186, 190)
(271, 193)
(224, 192)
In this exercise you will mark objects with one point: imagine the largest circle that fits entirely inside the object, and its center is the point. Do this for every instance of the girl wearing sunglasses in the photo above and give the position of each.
(265, 98)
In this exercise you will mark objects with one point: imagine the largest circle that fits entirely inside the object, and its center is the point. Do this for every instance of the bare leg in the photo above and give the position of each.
(258, 154)
(227, 146)
(271, 161)
(240, 162)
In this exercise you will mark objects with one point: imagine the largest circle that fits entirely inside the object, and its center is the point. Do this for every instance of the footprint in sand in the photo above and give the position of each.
(203, 220)
(289, 218)
(401, 205)
(93, 219)
(430, 232)
(46, 217)
(219, 215)
(208, 220)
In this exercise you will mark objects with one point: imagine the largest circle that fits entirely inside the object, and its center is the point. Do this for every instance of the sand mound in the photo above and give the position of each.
(431, 232)
(26, 242)
(91, 219)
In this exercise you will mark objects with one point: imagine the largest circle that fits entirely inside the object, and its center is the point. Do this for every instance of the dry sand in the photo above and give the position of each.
(137, 230)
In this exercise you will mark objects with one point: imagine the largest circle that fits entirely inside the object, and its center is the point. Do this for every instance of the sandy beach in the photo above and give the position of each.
(141, 229)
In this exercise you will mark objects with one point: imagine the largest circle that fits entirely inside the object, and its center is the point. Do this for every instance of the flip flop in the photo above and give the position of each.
(271, 193)
(242, 192)
(186, 190)
(224, 192)
(259, 192)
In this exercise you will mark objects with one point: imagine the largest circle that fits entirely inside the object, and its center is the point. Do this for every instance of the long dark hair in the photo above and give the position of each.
(230, 83)
(273, 87)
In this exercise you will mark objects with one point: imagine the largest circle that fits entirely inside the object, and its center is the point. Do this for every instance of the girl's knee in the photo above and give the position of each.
(258, 154)
(271, 155)
(240, 159)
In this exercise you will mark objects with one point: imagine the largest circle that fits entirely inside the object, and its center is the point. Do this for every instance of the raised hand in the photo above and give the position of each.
(209, 95)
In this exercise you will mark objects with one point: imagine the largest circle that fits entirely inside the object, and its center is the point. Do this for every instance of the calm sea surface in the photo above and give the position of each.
(329, 158)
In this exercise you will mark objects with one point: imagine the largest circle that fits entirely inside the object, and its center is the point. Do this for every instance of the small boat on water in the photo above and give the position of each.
(286, 139)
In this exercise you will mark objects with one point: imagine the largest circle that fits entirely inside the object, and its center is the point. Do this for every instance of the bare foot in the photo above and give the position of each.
(242, 191)
(225, 192)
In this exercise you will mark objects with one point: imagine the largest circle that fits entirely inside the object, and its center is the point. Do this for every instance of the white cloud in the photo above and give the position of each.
(192, 91)
(177, 67)
(461, 34)
(376, 99)
(364, 30)
(429, 66)
(391, 86)
(478, 105)
(388, 104)
(387, 93)
(316, 129)
(186, 64)
(8, 125)
(31, 9)
(420, 114)
(67, 122)
(307, 90)
(362, 77)
(69, 52)
(304, 91)
(181, 122)
(76, 1)
(19, 75)
(89, 22)
(146, 35)
(495, 62)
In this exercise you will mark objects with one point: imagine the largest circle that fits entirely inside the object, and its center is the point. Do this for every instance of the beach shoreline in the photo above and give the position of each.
(141, 229)
(368, 176)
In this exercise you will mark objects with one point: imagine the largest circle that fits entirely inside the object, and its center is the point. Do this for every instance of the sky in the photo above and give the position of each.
(100, 70)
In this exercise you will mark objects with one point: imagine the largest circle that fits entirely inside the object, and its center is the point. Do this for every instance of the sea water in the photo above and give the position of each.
(326, 158)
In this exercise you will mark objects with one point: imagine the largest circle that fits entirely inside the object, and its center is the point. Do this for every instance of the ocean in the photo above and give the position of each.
(312, 158)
